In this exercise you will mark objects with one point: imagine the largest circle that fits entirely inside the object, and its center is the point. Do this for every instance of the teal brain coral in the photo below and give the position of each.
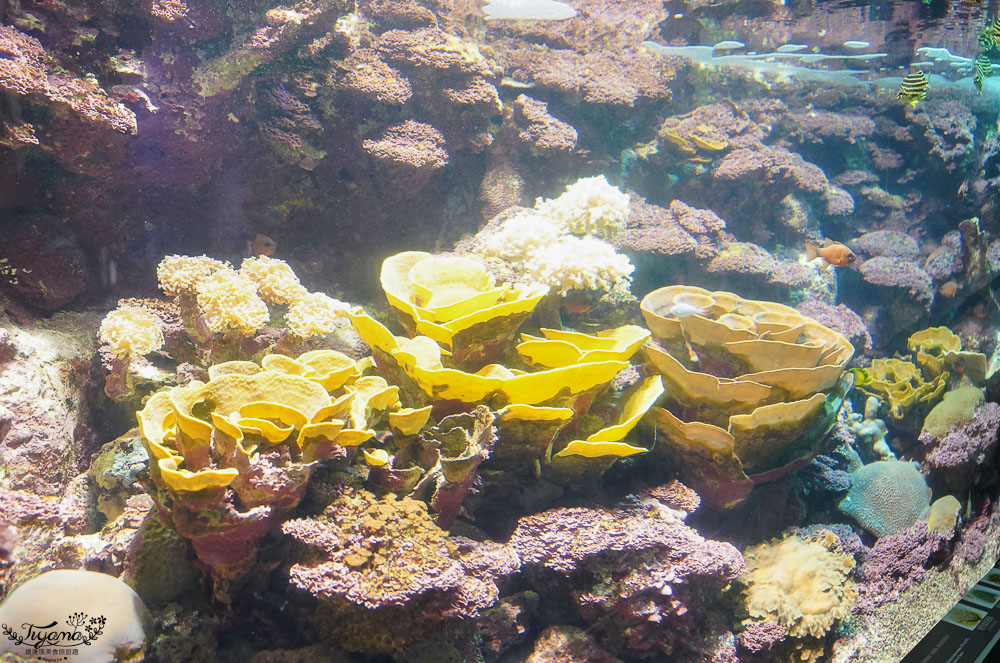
(887, 496)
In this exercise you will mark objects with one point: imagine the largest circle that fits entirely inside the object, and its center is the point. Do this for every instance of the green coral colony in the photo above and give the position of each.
(597, 429)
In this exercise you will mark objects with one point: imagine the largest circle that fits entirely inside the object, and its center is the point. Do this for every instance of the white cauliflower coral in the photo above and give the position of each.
(179, 275)
(316, 314)
(561, 242)
(276, 283)
(580, 263)
(590, 206)
(521, 237)
(229, 301)
(130, 332)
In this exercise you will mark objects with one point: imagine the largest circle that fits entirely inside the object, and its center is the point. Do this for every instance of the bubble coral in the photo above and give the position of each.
(229, 301)
(276, 282)
(130, 332)
(316, 314)
(179, 275)
(800, 584)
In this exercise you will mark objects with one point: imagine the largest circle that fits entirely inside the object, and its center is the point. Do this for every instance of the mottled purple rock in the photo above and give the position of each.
(759, 637)
(568, 644)
(895, 563)
(42, 264)
(963, 452)
(890, 243)
(894, 272)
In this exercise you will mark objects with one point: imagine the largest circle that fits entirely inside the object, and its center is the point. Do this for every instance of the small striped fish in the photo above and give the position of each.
(913, 88)
(985, 39)
(996, 30)
(984, 69)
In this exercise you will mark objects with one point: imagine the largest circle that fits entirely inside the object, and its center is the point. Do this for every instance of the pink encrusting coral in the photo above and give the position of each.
(386, 576)
(677, 230)
(369, 77)
(906, 276)
(839, 318)
(895, 563)
(412, 144)
(26, 69)
(964, 452)
(85, 121)
(539, 129)
(639, 574)
(611, 78)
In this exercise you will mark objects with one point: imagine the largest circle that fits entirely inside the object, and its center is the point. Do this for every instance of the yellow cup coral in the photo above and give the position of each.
(457, 303)
(938, 349)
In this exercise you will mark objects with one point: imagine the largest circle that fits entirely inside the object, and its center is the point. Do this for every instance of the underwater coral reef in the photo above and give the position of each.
(495, 332)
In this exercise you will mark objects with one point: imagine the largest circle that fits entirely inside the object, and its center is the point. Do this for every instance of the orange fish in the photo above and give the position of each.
(949, 288)
(834, 253)
(576, 301)
(262, 245)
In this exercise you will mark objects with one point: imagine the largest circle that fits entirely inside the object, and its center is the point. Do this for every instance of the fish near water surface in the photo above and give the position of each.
(913, 88)
(834, 253)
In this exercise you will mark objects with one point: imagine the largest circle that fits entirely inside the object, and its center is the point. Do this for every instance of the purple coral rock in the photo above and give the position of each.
(897, 273)
(537, 127)
(993, 255)
(947, 258)
(839, 202)
(365, 74)
(749, 258)
(568, 644)
(966, 448)
(890, 243)
(678, 230)
(611, 77)
(562, 539)
(773, 165)
(895, 563)
(7, 347)
(412, 144)
(761, 636)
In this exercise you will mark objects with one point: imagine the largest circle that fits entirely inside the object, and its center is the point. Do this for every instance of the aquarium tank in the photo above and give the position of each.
(497, 331)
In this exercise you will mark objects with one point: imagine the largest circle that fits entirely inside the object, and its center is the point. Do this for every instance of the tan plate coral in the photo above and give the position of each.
(753, 386)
